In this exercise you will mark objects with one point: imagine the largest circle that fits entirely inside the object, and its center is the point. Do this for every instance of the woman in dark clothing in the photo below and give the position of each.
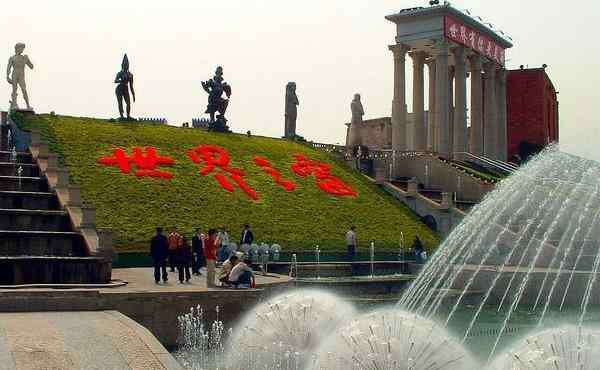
(184, 258)
(198, 252)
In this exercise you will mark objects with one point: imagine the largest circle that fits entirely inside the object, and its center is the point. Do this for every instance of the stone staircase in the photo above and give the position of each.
(435, 195)
(39, 241)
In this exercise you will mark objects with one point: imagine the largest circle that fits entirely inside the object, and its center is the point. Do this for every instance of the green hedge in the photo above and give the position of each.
(133, 207)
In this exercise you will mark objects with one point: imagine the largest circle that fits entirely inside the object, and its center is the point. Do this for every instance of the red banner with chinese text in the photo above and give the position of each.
(475, 40)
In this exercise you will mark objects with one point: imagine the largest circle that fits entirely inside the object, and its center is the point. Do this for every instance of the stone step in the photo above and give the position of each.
(32, 184)
(54, 270)
(22, 157)
(41, 243)
(28, 200)
(10, 169)
(34, 220)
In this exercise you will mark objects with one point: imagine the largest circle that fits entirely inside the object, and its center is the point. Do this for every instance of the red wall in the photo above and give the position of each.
(532, 109)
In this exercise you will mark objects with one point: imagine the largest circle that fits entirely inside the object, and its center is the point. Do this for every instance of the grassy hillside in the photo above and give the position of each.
(298, 220)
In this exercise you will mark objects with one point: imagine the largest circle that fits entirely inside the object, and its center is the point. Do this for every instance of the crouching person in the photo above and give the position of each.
(226, 269)
(241, 275)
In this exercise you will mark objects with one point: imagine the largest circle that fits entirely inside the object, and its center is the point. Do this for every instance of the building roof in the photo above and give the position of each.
(539, 70)
(440, 10)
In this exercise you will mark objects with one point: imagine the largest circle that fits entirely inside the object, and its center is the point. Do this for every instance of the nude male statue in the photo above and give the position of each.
(16, 65)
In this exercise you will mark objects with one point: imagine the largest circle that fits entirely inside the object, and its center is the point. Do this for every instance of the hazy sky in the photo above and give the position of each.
(330, 48)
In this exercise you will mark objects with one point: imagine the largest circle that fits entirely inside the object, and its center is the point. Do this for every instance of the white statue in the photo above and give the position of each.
(17, 64)
(357, 109)
(354, 137)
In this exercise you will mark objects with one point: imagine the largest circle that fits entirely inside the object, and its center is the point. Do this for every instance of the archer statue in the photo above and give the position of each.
(124, 80)
(215, 87)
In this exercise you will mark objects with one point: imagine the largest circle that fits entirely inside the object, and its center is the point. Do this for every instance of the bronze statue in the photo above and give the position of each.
(291, 110)
(16, 65)
(124, 80)
(215, 87)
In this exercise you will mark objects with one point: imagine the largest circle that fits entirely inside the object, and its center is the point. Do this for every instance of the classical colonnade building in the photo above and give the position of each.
(461, 54)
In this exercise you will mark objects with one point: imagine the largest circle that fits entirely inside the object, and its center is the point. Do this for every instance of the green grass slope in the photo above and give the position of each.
(298, 220)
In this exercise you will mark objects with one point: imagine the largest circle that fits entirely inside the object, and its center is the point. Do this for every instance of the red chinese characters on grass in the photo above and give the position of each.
(266, 166)
(216, 161)
(146, 160)
(330, 184)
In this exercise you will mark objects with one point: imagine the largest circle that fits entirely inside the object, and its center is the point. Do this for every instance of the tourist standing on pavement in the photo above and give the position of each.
(183, 257)
(174, 243)
(159, 250)
(210, 252)
(198, 252)
(247, 236)
(351, 243)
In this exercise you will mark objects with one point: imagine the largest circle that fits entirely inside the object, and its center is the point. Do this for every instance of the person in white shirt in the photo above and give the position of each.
(241, 275)
(351, 243)
(226, 269)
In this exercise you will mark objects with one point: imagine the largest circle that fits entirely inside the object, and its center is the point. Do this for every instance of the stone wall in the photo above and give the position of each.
(446, 216)
(157, 311)
(436, 174)
(376, 133)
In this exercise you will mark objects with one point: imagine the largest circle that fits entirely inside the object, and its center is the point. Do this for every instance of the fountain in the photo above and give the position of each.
(566, 348)
(527, 251)
(390, 340)
(200, 346)
(318, 261)
(372, 258)
(294, 266)
(401, 248)
(525, 258)
(284, 331)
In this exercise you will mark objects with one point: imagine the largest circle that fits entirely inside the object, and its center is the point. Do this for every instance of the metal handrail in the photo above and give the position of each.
(494, 163)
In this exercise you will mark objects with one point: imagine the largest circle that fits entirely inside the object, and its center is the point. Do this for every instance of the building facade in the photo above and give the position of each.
(459, 57)
(532, 112)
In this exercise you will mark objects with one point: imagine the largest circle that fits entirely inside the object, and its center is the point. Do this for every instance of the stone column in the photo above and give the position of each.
(460, 101)
(451, 109)
(441, 99)
(476, 134)
(419, 127)
(431, 133)
(502, 152)
(399, 102)
(490, 127)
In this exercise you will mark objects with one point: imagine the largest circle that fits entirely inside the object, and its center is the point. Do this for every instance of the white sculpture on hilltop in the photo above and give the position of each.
(354, 128)
(16, 65)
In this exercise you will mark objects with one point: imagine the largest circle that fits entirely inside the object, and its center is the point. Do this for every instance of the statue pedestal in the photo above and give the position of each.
(218, 126)
(24, 111)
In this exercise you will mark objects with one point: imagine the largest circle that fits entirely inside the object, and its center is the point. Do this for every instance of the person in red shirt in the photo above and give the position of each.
(175, 242)
(210, 252)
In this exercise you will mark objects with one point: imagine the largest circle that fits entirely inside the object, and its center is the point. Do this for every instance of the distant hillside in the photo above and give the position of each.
(299, 219)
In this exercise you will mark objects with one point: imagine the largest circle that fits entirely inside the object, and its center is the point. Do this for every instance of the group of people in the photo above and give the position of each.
(174, 250)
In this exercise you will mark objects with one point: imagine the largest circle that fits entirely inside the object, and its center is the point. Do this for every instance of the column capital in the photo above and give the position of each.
(459, 52)
(475, 62)
(418, 57)
(442, 47)
(501, 75)
(399, 50)
(490, 66)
